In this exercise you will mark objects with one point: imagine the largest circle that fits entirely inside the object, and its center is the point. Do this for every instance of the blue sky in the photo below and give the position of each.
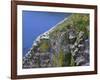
(35, 23)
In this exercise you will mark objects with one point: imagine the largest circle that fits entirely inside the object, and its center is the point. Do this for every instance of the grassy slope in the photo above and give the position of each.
(79, 22)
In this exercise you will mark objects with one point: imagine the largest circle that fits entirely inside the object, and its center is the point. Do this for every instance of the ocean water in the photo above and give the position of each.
(35, 23)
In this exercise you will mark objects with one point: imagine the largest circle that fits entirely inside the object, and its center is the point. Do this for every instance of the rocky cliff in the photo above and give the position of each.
(65, 45)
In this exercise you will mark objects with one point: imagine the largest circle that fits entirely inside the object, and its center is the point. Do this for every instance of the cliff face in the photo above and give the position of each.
(65, 45)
